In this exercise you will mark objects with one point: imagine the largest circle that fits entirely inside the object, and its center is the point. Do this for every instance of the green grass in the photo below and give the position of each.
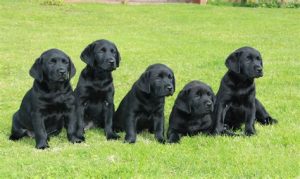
(194, 41)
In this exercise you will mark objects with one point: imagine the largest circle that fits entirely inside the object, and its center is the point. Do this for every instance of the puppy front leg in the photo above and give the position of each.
(39, 131)
(108, 118)
(159, 127)
(75, 131)
(130, 129)
(250, 120)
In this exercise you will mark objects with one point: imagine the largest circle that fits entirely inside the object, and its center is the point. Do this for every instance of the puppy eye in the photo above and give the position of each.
(170, 77)
(103, 50)
(249, 57)
(199, 93)
(53, 60)
(113, 51)
(65, 61)
(208, 94)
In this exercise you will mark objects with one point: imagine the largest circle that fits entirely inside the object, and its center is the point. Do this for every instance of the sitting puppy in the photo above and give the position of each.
(236, 102)
(143, 106)
(95, 90)
(49, 102)
(191, 113)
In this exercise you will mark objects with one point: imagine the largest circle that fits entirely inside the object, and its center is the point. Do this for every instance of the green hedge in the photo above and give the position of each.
(258, 3)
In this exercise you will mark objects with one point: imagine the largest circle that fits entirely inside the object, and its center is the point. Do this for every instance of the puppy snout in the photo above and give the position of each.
(170, 88)
(62, 71)
(208, 104)
(259, 69)
(111, 61)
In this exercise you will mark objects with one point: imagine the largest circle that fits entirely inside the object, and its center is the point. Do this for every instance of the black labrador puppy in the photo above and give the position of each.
(50, 103)
(236, 102)
(192, 110)
(143, 106)
(95, 90)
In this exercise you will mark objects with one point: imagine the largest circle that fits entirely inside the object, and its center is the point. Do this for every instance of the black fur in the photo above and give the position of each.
(236, 102)
(143, 106)
(50, 103)
(192, 110)
(95, 90)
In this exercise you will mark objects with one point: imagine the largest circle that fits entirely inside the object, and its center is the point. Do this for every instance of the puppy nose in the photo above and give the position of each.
(208, 104)
(111, 61)
(170, 88)
(259, 69)
(62, 71)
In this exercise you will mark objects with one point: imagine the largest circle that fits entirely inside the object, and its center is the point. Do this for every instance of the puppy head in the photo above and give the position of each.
(196, 98)
(158, 79)
(53, 65)
(101, 54)
(246, 61)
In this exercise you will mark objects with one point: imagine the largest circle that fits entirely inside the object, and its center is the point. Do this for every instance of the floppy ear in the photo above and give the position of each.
(72, 68)
(118, 57)
(182, 101)
(233, 61)
(87, 55)
(144, 82)
(213, 96)
(174, 86)
(36, 70)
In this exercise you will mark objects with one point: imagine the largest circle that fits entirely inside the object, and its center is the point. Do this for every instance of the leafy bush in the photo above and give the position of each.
(53, 2)
(258, 3)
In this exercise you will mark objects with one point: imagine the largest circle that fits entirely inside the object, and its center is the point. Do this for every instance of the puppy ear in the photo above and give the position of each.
(233, 61)
(213, 96)
(174, 86)
(144, 82)
(72, 68)
(118, 57)
(87, 55)
(182, 102)
(36, 70)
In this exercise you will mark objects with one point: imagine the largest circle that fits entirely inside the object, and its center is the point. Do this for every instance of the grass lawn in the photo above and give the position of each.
(194, 41)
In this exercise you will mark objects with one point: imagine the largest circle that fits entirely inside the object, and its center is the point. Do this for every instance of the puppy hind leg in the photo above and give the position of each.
(173, 136)
(262, 116)
(17, 132)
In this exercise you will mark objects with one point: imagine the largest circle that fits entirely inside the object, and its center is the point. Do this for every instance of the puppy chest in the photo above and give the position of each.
(98, 96)
(54, 108)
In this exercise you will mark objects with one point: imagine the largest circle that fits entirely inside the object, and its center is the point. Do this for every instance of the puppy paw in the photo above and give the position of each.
(216, 132)
(161, 140)
(130, 140)
(14, 138)
(42, 145)
(82, 138)
(229, 133)
(249, 132)
(172, 141)
(75, 139)
(269, 121)
(112, 136)
(173, 138)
